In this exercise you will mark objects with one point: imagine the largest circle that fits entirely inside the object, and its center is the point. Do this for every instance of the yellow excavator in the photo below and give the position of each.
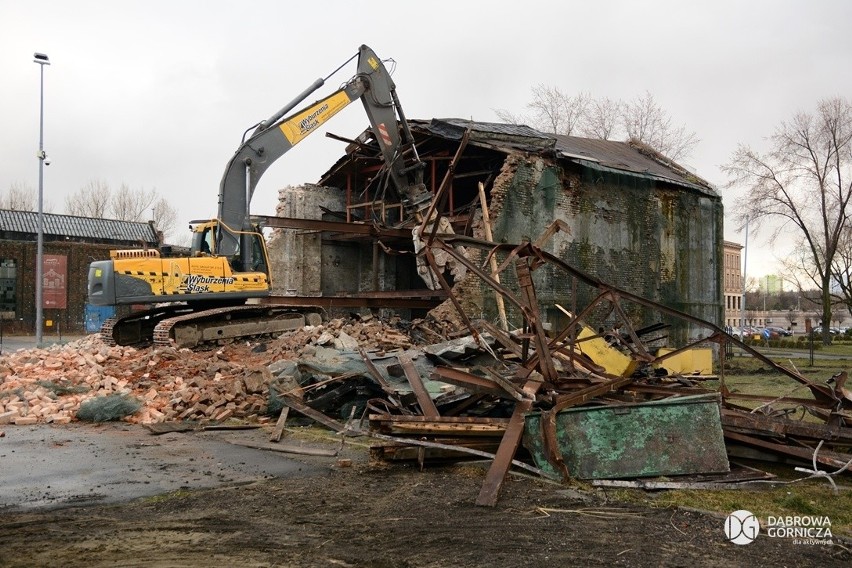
(202, 297)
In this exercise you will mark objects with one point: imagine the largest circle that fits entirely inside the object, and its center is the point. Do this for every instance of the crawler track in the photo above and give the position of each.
(187, 327)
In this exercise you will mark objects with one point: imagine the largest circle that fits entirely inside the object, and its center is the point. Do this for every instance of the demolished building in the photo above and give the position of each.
(626, 213)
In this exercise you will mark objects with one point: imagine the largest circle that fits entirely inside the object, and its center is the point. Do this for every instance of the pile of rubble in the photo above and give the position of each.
(231, 381)
(598, 401)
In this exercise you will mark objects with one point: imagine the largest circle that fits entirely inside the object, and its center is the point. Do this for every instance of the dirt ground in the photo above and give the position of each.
(379, 515)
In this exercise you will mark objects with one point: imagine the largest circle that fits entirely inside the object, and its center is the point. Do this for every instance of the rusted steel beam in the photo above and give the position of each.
(427, 405)
(528, 249)
(585, 394)
(831, 459)
(550, 441)
(508, 445)
(399, 299)
(545, 366)
(502, 337)
(439, 195)
(505, 454)
(468, 381)
(365, 229)
(433, 265)
(784, 427)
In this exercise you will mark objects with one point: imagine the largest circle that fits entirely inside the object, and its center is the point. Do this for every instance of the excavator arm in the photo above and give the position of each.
(275, 136)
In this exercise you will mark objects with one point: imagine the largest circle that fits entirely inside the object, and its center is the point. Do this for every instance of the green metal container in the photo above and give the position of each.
(674, 436)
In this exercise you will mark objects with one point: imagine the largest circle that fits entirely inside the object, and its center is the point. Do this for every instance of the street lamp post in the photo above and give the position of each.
(42, 60)
(745, 265)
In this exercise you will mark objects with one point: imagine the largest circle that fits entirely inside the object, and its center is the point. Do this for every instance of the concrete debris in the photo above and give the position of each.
(49, 385)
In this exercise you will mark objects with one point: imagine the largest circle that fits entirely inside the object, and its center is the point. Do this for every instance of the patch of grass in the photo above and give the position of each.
(813, 497)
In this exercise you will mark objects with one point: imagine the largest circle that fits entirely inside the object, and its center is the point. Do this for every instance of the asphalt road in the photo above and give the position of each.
(47, 466)
(11, 343)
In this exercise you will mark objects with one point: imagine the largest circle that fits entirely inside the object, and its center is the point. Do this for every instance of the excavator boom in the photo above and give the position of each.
(229, 263)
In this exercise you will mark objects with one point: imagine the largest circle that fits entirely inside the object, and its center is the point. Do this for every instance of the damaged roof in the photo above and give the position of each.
(93, 229)
(630, 158)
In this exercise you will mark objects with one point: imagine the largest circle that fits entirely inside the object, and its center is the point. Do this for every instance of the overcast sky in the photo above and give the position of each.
(157, 94)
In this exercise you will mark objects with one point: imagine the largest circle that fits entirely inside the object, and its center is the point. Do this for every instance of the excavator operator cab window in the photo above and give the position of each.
(258, 259)
(202, 242)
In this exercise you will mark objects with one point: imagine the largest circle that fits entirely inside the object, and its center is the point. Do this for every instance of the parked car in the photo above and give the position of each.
(831, 330)
(780, 331)
(735, 331)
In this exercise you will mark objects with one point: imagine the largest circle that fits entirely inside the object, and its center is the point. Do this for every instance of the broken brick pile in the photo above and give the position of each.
(229, 381)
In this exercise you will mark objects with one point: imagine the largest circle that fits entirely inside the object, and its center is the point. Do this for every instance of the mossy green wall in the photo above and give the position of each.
(659, 241)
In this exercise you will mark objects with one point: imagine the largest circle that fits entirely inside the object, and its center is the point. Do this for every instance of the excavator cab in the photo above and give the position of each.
(206, 238)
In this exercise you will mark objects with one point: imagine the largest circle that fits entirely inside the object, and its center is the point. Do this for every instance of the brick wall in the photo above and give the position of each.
(69, 320)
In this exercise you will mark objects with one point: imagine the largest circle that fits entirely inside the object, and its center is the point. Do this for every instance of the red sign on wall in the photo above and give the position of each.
(54, 278)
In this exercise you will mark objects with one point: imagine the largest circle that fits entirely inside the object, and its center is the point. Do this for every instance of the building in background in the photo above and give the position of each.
(70, 245)
(733, 284)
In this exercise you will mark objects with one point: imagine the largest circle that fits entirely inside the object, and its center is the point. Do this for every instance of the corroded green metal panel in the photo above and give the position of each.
(675, 436)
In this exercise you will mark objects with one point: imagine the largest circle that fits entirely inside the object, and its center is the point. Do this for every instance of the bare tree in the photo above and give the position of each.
(138, 205)
(20, 197)
(642, 120)
(509, 117)
(841, 270)
(91, 200)
(556, 112)
(603, 118)
(165, 216)
(645, 121)
(804, 181)
(131, 205)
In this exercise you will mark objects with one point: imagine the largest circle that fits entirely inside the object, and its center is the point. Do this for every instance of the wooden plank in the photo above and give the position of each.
(287, 449)
(278, 431)
(440, 419)
(315, 415)
(435, 428)
(427, 444)
(505, 455)
(427, 405)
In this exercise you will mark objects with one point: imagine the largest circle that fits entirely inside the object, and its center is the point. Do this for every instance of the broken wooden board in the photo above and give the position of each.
(438, 426)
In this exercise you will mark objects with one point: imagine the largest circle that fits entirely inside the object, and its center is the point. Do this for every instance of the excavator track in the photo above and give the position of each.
(138, 327)
(184, 326)
(190, 330)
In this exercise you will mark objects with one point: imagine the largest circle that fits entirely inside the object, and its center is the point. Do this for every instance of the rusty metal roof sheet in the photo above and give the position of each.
(629, 158)
(26, 222)
(606, 155)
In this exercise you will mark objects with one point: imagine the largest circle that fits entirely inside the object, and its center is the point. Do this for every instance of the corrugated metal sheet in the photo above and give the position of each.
(624, 157)
(26, 222)
(609, 155)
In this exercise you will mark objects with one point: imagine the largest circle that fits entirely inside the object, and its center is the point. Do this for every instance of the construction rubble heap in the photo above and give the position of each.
(601, 402)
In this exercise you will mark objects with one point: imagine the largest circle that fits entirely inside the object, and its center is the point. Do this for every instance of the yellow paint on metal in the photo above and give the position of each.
(301, 125)
(602, 353)
(697, 361)
(196, 275)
